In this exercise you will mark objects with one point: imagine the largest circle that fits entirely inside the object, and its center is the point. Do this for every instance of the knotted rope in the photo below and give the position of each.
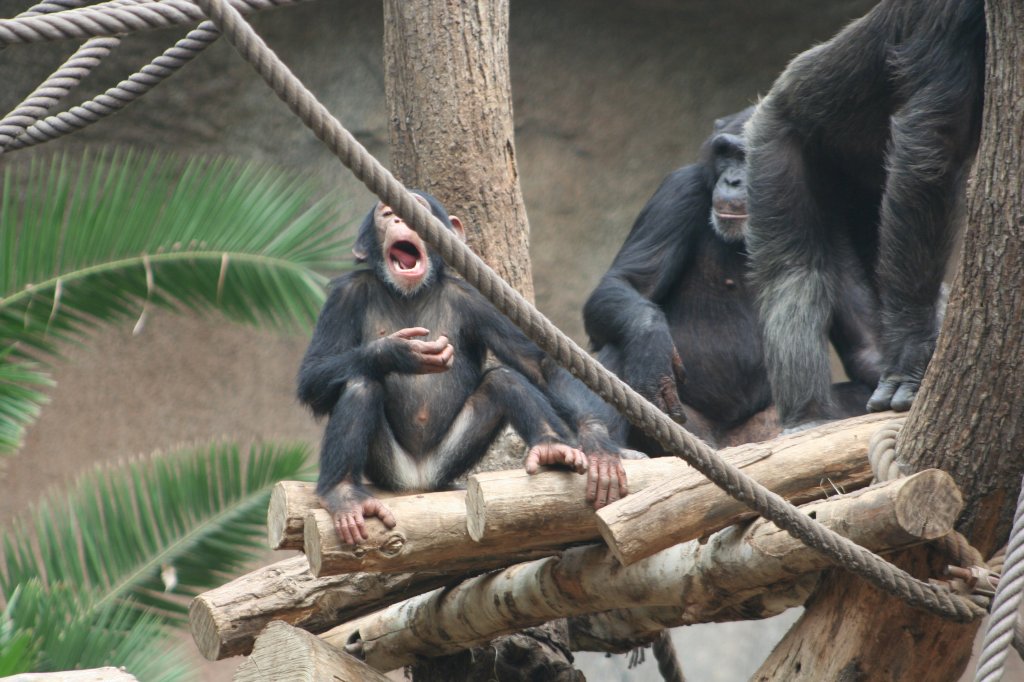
(557, 345)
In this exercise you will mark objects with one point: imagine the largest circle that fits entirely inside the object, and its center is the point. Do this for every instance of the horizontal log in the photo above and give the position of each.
(108, 674)
(431, 532)
(800, 467)
(550, 504)
(732, 566)
(283, 653)
(225, 621)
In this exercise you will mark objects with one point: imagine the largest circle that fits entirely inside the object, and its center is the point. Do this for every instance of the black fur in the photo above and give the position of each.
(408, 430)
(858, 158)
(679, 285)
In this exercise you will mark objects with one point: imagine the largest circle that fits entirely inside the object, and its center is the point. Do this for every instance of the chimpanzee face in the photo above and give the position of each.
(729, 197)
(406, 259)
(399, 255)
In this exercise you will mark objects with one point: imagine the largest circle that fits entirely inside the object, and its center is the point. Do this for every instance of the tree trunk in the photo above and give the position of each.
(449, 99)
(966, 420)
(449, 102)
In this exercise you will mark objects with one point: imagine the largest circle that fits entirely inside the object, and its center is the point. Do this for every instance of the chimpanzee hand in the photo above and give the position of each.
(547, 454)
(348, 505)
(653, 368)
(606, 479)
(411, 356)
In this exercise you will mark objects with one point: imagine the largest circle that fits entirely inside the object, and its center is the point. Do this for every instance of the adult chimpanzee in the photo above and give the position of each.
(414, 414)
(677, 296)
(858, 158)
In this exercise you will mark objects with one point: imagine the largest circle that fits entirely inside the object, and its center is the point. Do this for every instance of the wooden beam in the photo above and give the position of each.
(225, 621)
(431, 533)
(800, 467)
(734, 564)
(108, 674)
(284, 653)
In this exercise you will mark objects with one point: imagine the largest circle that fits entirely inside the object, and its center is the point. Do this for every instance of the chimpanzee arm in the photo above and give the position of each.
(576, 404)
(337, 353)
(624, 310)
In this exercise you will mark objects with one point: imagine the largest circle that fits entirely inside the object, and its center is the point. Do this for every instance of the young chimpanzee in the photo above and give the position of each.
(859, 155)
(675, 316)
(414, 414)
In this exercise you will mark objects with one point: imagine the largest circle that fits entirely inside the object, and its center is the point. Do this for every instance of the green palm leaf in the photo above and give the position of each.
(19, 399)
(60, 628)
(104, 238)
(196, 515)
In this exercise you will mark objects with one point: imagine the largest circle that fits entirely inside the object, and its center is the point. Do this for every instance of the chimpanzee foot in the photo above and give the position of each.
(894, 392)
(349, 507)
(547, 454)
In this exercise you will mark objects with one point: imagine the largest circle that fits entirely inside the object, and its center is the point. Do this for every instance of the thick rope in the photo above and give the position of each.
(55, 88)
(665, 654)
(1004, 623)
(886, 466)
(125, 92)
(113, 18)
(564, 350)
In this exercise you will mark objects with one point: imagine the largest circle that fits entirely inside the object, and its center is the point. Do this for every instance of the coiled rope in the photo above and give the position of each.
(639, 412)
(1004, 627)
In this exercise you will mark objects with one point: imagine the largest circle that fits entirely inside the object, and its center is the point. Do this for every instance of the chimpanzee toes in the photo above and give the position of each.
(904, 396)
(881, 399)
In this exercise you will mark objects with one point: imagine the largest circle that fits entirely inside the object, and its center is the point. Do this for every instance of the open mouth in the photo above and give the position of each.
(406, 259)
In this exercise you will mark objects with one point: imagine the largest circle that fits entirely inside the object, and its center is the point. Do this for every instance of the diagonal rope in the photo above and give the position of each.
(639, 412)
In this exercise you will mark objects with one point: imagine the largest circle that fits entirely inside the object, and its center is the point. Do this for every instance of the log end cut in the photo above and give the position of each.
(202, 623)
(283, 652)
(929, 504)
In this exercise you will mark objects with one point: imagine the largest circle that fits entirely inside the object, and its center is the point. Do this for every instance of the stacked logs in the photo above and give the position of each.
(513, 551)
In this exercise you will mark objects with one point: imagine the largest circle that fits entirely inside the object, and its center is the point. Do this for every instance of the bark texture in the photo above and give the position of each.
(287, 654)
(700, 580)
(449, 100)
(967, 418)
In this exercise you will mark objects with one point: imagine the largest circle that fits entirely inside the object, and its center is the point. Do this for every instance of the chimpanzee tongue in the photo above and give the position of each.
(407, 260)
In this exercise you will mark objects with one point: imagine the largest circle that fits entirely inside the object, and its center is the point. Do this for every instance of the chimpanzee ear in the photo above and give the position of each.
(457, 225)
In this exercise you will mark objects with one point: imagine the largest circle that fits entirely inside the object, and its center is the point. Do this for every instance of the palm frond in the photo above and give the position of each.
(197, 515)
(59, 627)
(104, 238)
(100, 239)
(19, 398)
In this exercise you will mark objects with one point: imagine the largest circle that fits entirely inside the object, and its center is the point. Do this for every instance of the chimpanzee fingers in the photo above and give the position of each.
(410, 332)
(670, 404)
(350, 527)
(374, 507)
(678, 369)
(606, 481)
(547, 454)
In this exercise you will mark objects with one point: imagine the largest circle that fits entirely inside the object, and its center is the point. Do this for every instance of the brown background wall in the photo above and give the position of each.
(609, 97)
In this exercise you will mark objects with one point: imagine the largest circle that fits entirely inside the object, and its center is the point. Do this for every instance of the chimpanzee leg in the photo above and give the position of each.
(921, 208)
(790, 266)
(503, 396)
(352, 431)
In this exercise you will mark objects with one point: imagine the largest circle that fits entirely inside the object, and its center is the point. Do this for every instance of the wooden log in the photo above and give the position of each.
(550, 504)
(225, 621)
(284, 653)
(107, 674)
(734, 565)
(289, 502)
(431, 533)
(799, 467)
